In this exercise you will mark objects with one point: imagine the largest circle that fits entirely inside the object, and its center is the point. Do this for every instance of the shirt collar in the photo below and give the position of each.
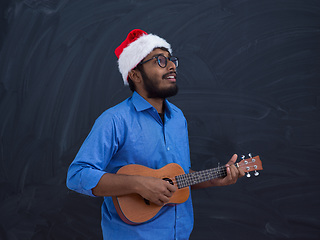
(141, 104)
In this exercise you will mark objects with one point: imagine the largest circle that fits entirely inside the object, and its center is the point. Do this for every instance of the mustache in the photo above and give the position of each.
(172, 72)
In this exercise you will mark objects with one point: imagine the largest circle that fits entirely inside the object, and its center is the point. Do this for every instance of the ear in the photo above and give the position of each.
(135, 76)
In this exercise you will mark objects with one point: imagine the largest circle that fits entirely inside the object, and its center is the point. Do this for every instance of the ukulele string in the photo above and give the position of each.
(200, 176)
(205, 175)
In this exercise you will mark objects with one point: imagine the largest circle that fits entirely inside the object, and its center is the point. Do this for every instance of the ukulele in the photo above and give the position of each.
(134, 209)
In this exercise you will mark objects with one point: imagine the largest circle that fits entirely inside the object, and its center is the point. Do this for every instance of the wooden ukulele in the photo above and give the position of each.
(134, 209)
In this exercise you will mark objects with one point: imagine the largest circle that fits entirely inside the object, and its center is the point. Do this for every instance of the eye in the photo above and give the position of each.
(162, 60)
(174, 60)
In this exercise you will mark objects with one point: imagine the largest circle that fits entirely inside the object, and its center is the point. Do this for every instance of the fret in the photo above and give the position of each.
(193, 178)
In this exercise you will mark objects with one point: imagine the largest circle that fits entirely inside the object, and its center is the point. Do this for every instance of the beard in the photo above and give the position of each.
(153, 90)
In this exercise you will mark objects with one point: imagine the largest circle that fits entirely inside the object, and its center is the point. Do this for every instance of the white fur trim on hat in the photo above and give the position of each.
(132, 55)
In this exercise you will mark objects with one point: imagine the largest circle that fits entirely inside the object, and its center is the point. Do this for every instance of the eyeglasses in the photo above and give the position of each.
(163, 60)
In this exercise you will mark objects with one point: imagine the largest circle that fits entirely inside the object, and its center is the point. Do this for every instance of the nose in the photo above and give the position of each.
(171, 66)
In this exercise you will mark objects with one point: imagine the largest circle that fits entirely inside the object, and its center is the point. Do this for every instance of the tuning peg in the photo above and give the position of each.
(243, 157)
(250, 155)
(256, 173)
(248, 175)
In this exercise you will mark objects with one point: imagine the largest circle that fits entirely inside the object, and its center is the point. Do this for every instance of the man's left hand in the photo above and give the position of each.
(233, 173)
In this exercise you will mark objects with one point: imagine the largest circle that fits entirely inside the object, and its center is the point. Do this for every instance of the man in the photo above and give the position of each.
(145, 129)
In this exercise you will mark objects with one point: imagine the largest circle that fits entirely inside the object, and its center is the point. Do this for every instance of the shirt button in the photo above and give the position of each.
(168, 148)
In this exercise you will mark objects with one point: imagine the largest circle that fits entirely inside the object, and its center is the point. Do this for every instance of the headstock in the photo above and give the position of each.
(250, 164)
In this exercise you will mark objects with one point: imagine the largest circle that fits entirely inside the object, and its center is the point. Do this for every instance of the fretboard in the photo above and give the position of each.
(193, 178)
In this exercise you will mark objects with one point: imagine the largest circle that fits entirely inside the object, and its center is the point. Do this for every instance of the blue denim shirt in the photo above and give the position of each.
(132, 132)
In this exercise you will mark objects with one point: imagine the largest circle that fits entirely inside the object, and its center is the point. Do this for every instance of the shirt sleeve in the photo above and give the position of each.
(94, 155)
(187, 143)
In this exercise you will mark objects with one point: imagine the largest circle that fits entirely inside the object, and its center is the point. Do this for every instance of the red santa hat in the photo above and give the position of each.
(136, 47)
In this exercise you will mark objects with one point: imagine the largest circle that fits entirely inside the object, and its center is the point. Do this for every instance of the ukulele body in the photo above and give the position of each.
(134, 209)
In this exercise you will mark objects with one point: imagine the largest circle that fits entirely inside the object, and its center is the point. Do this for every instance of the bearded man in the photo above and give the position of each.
(145, 129)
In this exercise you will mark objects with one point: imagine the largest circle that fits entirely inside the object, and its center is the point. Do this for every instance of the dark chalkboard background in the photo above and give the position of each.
(249, 80)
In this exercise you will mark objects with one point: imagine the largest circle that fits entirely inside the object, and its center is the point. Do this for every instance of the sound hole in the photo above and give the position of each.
(168, 180)
(146, 201)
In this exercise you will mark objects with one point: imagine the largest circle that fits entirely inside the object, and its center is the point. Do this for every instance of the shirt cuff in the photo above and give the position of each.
(90, 178)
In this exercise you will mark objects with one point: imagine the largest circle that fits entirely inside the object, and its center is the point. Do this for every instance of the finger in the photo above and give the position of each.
(238, 171)
(172, 188)
(168, 193)
(234, 171)
(241, 172)
(158, 202)
(164, 199)
(235, 176)
(229, 174)
(233, 159)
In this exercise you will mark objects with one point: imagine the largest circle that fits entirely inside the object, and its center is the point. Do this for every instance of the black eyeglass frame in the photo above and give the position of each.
(167, 58)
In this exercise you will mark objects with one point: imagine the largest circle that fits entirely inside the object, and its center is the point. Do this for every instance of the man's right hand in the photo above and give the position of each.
(155, 190)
